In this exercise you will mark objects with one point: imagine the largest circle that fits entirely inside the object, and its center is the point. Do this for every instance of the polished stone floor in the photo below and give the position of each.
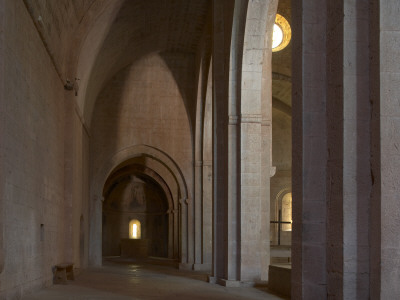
(125, 279)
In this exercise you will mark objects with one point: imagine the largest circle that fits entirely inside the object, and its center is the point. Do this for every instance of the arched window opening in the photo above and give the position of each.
(287, 212)
(282, 34)
(134, 230)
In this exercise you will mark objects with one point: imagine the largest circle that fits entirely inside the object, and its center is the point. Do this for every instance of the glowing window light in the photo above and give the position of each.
(277, 36)
(134, 231)
(281, 33)
(287, 211)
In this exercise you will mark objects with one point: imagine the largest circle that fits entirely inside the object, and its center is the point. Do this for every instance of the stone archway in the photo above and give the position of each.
(181, 200)
(134, 195)
(134, 168)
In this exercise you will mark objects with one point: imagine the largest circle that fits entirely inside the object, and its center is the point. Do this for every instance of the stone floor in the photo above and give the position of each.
(121, 279)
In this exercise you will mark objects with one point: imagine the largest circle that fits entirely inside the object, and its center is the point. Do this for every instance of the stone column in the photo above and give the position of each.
(70, 140)
(207, 176)
(267, 171)
(267, 18)
(331, 141)
(95, 231)
(336, 149)
(198, 207)
(348, 165)
(2, 134)
(361, 164)
(251, 210)
(207, 214)
(228, 208)
(85, 196)
(175, 214)
(309, 154)
(222, 28)
(375, 207)
(186, 262)
(389, 178)
(75, 193)
(242, 245)
(2, 182)
(198, 172)
(170, 214)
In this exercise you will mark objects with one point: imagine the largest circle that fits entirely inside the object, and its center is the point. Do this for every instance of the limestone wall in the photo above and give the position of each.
(31, 157)
(142, 105)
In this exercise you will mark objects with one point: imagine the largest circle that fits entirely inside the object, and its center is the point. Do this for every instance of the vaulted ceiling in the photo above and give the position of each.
(94, 39)
(142, 27)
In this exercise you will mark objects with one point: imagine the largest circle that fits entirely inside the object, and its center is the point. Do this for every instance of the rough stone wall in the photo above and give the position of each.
(31, 157)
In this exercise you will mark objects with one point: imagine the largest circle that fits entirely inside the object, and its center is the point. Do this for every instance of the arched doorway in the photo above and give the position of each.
(135, 197)
(145, 160)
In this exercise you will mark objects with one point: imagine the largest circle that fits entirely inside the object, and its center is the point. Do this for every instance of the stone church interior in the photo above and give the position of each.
(251, 142)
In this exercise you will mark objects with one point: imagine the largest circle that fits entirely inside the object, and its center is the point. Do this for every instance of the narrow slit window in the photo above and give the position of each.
(287, 212)
(134, 229)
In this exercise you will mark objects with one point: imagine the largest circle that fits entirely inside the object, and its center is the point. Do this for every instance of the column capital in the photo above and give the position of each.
(251, 118)
(265, 122)
(233, 119)
(184, 201)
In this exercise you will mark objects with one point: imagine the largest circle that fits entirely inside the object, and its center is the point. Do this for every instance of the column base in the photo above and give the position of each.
(202, 267)
(236, 283)
(229, 283)
(212, 279)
